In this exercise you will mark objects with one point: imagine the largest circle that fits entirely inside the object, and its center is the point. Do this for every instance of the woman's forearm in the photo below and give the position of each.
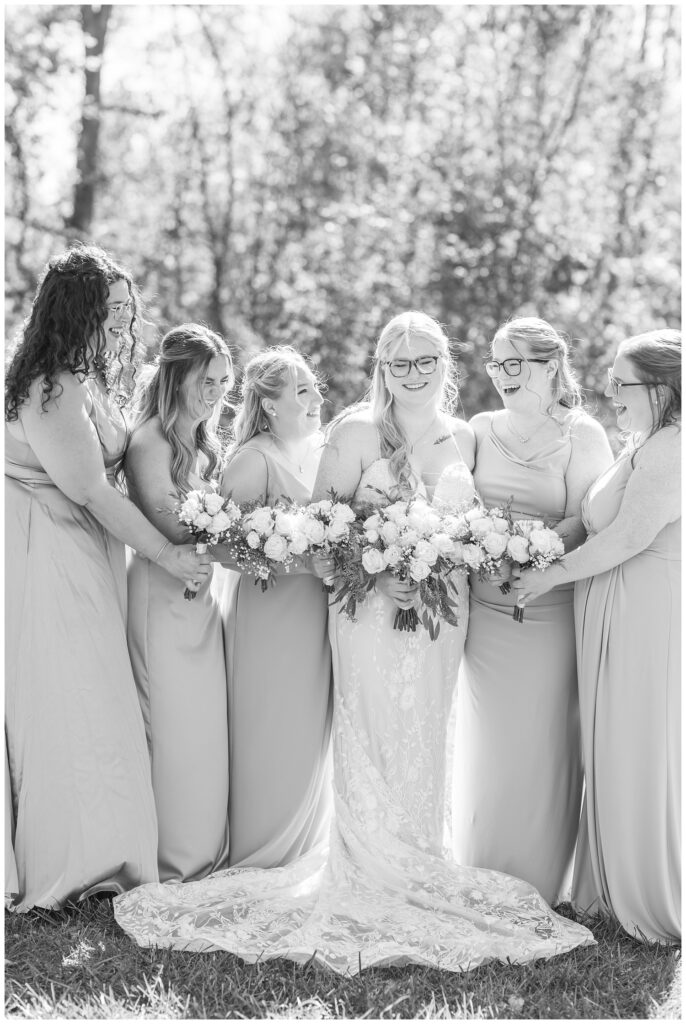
(125, 521)
(602, 552)
(572, 531)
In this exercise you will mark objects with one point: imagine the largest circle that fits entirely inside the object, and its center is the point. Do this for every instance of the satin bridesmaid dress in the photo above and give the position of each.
(83, 814)
(177, 655)
(628, 641)
(278, 663)
(517, 766)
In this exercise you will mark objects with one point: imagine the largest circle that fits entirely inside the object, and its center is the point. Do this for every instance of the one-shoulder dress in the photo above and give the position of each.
(79, 773)
(517, 768)
(629, 650)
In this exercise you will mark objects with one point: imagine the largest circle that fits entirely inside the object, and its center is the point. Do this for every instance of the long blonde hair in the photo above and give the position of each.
(265, 376)
(404, 328)
(185, 350)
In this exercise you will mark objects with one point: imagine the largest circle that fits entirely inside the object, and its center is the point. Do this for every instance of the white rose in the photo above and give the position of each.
(372, 523)
(408, 538)
(398, 510)
(324, 506)
(213, 502)
(389, 532)
(494, 544)
(314, 531)
(337, 531)
(261, 521)
(253, 539)
(442, 542)
(472, 555)
(525, 526)
(474, 513)
(222, 521)
(499, 525)
(480, 526)
(457, 553)
(419, 515)
(419, 569)
(372, 535)
(276, 548)
(392, 554)
(202, 520)
(373, 560)
(232, 511)
(342, 512)
(451, 525)
(298, 544)
(285, 523)
(425, 552)
(518, 548)
(540, 542)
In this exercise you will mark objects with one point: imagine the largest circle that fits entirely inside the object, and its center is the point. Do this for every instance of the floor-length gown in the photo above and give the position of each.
(385, 891)
(628, 635)
(278, 662)
(177, 655)
(83, 809)
(517, 767)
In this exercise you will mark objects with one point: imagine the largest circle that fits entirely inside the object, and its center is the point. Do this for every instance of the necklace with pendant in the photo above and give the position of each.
(523, 438)
(293, 462)
(411, 447)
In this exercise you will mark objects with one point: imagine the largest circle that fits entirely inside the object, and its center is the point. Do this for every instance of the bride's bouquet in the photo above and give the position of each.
(412, 541)
(209, 518)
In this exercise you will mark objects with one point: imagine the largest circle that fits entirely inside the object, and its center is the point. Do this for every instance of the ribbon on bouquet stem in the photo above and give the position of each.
(200, 549)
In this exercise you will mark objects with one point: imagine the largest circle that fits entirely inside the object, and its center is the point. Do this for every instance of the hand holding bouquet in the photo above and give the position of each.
(328, 526)
(268, 537)
(209, 518)
(533, 546)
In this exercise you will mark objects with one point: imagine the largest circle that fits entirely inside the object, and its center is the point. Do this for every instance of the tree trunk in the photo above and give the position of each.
(94, 21)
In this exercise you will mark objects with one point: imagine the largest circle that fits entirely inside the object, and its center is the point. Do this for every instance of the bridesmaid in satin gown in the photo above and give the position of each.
(517, 769)
(80, 816)
(277, 651)
(384, 890)
(627, 608)
(176, 646)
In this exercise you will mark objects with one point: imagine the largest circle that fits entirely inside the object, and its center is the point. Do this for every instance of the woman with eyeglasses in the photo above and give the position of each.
(517, 767)
(79, 774)
(627, 607)
(385, 890)
(177, 646)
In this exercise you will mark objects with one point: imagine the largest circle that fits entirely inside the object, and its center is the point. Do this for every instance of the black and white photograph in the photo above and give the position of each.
(342, 511)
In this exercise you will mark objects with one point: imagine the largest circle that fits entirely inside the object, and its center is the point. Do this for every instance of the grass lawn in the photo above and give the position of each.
(79, 964)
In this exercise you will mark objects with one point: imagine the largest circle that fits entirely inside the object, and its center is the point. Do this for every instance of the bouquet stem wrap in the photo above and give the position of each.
(189, 595)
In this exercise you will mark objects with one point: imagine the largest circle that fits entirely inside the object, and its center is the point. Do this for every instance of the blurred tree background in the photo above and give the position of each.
(300, 174)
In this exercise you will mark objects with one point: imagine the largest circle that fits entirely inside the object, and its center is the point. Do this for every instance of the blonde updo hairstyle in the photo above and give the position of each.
(542, 341)
(185, 351)
(264, 377)
(407, 327)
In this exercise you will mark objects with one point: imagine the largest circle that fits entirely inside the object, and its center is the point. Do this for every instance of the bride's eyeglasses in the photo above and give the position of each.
(401, 367)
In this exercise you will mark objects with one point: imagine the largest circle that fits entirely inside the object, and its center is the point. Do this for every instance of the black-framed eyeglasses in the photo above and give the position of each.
(617, 385)
(512, 367)
(401, 367)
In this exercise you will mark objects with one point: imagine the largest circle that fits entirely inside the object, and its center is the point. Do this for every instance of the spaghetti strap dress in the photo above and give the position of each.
(177, 654)
(278, 663)
(628, 642)
(517, 778)
(82, 814)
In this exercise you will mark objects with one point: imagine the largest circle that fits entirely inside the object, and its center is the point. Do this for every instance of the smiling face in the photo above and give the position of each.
(296, 413)
(118, 315)
(634, 405)
(531, 389)
(415, 390)
(203, 390)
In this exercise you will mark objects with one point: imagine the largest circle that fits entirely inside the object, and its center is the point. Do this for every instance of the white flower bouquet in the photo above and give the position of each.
(413, 541)
(533, 545)
(209, 518)
(329, 527)
(267, 538)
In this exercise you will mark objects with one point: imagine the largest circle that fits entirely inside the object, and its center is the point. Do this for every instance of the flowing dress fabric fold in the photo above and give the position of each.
(517, 769)
(82, 803)
(278, 663)
(628, 629)
(177, 655)
(384, 891)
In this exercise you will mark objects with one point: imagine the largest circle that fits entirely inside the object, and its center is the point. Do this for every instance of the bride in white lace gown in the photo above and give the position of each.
(383, 890)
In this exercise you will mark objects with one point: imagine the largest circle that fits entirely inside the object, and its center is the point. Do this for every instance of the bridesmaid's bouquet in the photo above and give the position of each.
(413, 541)
(267, 538)
(532, 546)
(329, 526)
(209, 518)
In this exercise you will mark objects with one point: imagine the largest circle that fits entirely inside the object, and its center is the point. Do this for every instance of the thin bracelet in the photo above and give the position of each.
(165, 545)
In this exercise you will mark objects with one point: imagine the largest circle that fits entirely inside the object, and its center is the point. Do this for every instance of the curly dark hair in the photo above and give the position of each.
(68, 312)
